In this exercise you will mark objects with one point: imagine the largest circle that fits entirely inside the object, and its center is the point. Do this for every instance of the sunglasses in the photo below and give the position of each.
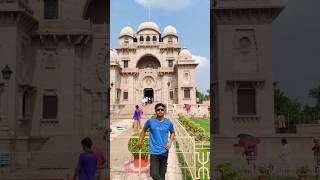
(160, 109)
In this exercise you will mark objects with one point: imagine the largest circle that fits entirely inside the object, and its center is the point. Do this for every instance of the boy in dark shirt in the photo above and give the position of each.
(86, 168)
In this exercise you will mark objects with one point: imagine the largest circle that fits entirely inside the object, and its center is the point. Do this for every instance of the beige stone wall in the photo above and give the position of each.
(65, 57)
(64, 9)
(245, 57)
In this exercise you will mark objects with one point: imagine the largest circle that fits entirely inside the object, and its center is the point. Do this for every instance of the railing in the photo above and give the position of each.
(288, 124)
(187, 146)
(203, 160)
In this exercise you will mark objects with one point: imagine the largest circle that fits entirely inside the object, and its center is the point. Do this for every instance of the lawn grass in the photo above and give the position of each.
(203, 122)
(283, 178)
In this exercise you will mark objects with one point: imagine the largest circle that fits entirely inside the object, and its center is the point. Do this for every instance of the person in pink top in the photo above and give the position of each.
(100, 161)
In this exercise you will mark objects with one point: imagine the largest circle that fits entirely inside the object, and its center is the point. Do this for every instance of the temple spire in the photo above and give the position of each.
(149, 19)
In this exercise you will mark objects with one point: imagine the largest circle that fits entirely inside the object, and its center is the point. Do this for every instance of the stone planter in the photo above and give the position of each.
(262, 177)
(196, 133)
(144, 161)
(202, 138)
(303, 177)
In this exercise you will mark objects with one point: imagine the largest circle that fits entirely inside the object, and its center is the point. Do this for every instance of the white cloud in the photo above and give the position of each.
(204, 63)
(165, 4)
(202, 73)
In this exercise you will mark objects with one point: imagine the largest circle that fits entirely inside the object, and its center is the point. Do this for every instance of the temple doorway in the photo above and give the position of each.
(148, 94)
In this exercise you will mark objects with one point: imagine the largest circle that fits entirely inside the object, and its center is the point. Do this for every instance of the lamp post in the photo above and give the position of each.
(6, 74)
(111, 91)
(167, 109)
(111, 94)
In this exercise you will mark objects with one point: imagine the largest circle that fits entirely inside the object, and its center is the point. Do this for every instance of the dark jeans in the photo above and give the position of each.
(158, 166)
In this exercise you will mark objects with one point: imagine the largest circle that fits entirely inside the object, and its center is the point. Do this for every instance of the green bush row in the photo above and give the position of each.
(192, 126)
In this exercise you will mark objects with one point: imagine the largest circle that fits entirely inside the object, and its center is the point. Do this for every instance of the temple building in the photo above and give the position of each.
(152, 65)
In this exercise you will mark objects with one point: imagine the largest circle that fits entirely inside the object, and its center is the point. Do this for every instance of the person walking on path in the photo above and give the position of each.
(285, 156)
(100, 161)
(174, 108)
(160, 142)
(136, 118)
(199, 112)
(86, 168)
(316, 154)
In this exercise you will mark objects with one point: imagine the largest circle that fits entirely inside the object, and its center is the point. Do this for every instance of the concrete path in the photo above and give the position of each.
(120, 157)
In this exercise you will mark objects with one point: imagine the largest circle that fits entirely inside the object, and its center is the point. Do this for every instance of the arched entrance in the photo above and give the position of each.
(148, 61)
(149, 95)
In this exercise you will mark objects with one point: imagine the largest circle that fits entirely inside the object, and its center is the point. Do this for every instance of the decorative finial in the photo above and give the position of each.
(149, 4)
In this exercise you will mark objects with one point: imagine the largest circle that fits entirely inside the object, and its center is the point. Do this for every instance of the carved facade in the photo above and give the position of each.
(148, 63)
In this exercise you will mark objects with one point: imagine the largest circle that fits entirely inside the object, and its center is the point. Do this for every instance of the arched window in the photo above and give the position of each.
(244, 42)
(154, 38)
(148, 38)
(141, 38)
(126, 41)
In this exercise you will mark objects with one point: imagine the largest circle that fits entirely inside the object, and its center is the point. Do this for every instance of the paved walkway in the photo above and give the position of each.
(120, 157)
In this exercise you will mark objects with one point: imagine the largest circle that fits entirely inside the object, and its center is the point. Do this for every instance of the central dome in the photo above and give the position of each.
(148, 25)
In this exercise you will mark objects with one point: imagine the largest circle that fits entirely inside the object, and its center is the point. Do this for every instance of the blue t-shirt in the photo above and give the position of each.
(88, 163)
(137, 114)
(159, 134)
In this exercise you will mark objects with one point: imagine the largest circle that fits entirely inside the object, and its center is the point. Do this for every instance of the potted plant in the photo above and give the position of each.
(227, 172)
(265, 171)
(197, 129)
(302, 172)
(191, 125)
(202, 136)
(133, 149)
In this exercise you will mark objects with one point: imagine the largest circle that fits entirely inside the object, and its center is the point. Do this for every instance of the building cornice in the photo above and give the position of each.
(72, 31)
(247, 14)
(19, 17)
(13, 5)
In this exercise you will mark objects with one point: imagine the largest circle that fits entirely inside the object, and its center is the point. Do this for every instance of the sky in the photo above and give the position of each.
(191, 18)
(296, 49)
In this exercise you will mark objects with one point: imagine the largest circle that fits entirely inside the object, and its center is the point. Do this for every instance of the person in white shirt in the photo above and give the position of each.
(174, 109)
(199, 113)
(285, 156)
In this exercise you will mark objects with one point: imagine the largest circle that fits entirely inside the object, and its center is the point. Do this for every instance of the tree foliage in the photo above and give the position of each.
(294, 111)
(315, 93)
(284, 104)
(202, 97)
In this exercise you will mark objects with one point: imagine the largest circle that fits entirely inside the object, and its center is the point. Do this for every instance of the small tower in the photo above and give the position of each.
(242, 57)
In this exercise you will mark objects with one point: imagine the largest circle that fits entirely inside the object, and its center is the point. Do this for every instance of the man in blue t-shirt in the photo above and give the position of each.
(159, 142)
